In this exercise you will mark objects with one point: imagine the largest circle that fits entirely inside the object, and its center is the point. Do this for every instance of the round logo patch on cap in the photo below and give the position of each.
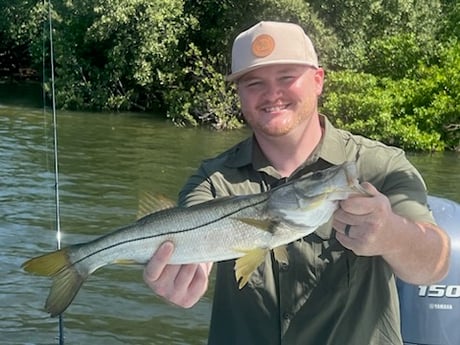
(263, 45)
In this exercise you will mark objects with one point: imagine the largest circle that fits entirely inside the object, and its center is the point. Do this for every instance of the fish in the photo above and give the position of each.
(241, 227)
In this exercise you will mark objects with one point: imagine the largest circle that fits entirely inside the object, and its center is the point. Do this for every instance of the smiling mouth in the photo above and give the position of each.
(275, 109)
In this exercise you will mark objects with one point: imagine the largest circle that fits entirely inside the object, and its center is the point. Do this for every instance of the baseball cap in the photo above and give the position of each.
(270, 43)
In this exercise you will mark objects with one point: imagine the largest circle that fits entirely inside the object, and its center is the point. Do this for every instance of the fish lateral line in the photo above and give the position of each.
(175, 232)
(264, 211)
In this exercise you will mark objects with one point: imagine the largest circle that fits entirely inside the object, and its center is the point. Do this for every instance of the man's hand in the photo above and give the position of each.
(417, 252)
(182, 285)
(368, 220)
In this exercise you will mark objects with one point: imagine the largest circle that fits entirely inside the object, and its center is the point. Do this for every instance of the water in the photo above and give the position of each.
(107, 162)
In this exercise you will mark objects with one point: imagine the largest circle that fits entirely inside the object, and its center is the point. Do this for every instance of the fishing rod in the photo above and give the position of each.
(55, 148)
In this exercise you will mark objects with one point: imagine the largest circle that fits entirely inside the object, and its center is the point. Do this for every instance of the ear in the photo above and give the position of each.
(319, 80)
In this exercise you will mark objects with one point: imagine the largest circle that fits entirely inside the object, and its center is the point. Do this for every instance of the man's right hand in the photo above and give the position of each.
(182, 285)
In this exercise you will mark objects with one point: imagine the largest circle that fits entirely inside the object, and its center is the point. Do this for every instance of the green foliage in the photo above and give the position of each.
(110, 51)
(16, 29)
(391, 65)
(200, 95)
(419, 113)
(393, 56)
(362, 104)
(440, 110)
(365, 26)
(221, 21)
(450, 28)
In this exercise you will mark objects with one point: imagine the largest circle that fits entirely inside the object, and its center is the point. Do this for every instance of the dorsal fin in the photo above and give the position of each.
(149, 203)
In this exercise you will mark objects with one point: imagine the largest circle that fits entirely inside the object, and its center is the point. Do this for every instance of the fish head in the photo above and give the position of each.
(312, 199)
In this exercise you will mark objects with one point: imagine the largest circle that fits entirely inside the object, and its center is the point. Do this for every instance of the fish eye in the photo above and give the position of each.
(317, 175)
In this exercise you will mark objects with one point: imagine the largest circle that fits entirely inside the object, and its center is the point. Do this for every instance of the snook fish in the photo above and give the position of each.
(244, 227)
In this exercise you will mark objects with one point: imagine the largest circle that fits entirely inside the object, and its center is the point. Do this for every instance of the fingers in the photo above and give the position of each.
(182, 285)
(156, 266)
(346, 233)
(369, 187)
(361, 222)
(194, 285)
(346, 223)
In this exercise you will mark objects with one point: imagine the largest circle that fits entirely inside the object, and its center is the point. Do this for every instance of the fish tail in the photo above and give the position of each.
(66, 279)
(48, 264)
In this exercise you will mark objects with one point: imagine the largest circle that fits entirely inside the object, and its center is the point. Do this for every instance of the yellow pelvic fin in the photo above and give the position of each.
(281, 254)
(262, 224)
(66, 279)
(247, 264)
(127, 262)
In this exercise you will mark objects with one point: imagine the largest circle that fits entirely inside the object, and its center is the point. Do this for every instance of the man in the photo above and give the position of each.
(339, 285)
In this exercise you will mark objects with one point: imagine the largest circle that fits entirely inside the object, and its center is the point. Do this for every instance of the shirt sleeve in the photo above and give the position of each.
(401, 182)
(197, 189)
(407, 192)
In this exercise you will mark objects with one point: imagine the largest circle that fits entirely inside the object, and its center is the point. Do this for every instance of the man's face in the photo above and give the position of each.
(275, 99)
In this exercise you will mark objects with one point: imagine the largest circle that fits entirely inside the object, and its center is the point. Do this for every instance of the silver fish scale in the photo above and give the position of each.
(217, 230)
(198, 236)
(225, 228)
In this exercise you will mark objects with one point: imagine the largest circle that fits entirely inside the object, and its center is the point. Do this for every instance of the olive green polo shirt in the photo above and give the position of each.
(325, 294)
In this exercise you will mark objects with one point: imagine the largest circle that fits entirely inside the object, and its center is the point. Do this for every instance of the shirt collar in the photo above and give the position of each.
(331, 149)
(241, 154)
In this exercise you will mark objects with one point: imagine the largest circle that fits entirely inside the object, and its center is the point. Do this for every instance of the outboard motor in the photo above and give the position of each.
(430, 314)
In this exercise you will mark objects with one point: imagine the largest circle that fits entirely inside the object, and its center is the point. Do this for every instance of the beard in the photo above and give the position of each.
(279, 124)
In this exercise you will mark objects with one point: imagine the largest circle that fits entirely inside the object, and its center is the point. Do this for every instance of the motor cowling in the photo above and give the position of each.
(430, 314)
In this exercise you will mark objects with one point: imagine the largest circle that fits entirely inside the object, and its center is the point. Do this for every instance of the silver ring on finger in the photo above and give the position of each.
(347, 230)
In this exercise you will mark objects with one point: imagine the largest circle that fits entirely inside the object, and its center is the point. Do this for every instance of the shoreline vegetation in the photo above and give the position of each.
(391, 67)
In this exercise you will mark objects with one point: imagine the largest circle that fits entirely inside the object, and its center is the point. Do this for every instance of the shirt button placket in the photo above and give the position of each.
(287, 316)
(285, 295)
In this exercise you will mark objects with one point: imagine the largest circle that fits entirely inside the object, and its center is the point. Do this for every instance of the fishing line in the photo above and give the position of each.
(56, 157)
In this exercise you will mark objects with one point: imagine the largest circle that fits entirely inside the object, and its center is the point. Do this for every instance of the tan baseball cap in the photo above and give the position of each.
(270, 43)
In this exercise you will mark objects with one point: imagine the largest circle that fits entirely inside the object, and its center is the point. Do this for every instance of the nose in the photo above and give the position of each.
(273, 90)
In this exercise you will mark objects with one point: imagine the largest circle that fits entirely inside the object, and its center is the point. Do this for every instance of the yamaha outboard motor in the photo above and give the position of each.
(430, 315)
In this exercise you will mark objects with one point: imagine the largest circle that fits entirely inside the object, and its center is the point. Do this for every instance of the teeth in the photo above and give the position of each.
(274, 109)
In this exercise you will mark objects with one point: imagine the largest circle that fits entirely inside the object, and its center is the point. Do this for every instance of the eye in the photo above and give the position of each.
(287, 78)
(317, 175)
(253, 83)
